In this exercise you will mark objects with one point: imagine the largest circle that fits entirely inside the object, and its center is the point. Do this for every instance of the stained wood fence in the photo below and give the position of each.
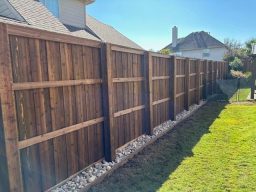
(68, 102)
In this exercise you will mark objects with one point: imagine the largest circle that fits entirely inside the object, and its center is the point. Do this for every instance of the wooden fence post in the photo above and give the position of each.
(172, 88)
(148, 93)
(109, 139)
(187, 83)
(198, 81)
(9, 114)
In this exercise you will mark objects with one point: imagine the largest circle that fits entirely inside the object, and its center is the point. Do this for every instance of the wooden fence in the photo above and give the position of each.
(68, 102)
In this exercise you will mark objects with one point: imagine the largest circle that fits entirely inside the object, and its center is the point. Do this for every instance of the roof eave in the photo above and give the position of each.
(87, 2)
(213, 47)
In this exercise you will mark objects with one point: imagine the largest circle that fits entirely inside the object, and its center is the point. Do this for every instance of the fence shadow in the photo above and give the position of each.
(152, 167)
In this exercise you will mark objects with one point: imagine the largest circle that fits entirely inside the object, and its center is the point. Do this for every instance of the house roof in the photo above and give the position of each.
(8, 11)
(196, 40)
(109, 34)
(36, 15)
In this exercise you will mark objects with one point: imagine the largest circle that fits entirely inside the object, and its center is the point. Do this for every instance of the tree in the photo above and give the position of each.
(237, 53)
(234, 49)
(249, 44)
(165, 51)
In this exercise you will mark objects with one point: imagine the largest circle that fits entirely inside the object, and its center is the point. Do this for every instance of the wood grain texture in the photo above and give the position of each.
(9, 114)
(69, 102)
(148, 65)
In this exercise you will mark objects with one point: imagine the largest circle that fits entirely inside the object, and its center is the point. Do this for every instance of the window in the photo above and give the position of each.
(52, 5)
(178, 54)
(206, 53)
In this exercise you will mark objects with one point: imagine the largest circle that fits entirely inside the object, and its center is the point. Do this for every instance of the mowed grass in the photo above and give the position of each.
(214, 150)
(224, 159)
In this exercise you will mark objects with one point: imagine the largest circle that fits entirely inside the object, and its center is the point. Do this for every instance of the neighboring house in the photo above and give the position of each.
(61, 16)
(200, 45)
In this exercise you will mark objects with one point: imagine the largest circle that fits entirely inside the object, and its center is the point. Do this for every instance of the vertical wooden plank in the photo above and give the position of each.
(9, 114)
(148, 93)
(131, 91)
(141, 113)
(187, 83)
(135, 95)
(198, 81)
(115, 96)
(3, 164)
(98, 103)
(43, 117)
(88, 57)
(38, 66)
(71, 139)
(109, 147)
(173, 85)
(205, 81)
(57, 107)
(79, 100)
(126, 123)
(87, 67)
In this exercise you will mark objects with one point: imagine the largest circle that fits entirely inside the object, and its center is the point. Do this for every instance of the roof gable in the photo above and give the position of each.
(196, 40)
(109, 34)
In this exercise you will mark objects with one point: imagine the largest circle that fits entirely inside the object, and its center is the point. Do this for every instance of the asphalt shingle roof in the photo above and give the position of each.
(109, 34)
(196, 40)
(36, 15)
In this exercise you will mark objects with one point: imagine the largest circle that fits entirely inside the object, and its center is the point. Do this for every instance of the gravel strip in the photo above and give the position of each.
(90, 174)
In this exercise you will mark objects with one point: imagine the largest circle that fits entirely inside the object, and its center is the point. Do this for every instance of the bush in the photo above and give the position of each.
(236, 64)
(165, 51)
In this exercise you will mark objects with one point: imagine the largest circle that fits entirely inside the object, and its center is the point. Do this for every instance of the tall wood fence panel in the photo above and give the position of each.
(161, 89)
(194, 91)
(209, 77)
(58, 104)
(181, 65)
(202, 79)
(68, 102)
(128, 94)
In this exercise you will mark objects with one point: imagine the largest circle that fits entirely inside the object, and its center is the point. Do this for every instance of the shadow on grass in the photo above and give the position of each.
(153, 166)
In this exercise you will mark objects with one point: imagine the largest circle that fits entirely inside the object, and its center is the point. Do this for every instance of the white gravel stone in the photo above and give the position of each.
(91, 179)
(98, 169)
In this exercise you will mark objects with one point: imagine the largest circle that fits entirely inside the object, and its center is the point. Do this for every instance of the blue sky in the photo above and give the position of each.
(149, 22)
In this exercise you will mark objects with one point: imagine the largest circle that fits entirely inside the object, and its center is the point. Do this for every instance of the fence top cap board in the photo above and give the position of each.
(126, 49)
(35, 33)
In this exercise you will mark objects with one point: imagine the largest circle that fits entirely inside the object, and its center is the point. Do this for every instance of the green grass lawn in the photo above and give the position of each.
(224, 159)
(214, 150)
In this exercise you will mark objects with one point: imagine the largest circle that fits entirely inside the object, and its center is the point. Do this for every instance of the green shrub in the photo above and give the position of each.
(236, 64)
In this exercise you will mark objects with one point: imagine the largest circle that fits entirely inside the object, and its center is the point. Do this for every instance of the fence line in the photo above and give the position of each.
(67, 102)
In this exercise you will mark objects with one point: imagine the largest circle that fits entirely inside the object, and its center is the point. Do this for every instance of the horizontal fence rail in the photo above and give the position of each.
(67, 102)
